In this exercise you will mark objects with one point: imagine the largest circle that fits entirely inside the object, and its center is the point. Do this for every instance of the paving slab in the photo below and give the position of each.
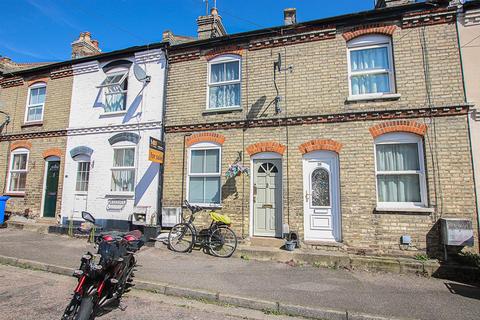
(359, 293)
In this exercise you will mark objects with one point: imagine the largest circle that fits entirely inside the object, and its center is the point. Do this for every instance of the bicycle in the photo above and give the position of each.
(218, 238)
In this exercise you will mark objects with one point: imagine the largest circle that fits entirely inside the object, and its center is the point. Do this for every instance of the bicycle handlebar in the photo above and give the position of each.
(194, 209)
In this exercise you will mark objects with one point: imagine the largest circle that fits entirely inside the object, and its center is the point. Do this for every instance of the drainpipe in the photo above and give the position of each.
(162, 166)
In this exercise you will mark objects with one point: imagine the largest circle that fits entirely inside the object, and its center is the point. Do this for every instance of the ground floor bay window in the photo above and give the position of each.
(400, 171)
(204, 174)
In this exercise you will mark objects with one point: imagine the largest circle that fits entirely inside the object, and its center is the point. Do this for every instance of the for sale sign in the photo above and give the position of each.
(156, 151)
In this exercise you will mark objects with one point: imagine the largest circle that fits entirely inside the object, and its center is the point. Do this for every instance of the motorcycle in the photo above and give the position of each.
(105, 276)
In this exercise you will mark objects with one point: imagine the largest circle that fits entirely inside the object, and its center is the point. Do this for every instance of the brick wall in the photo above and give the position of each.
(318, 85)
(45, 139)
(448, 170)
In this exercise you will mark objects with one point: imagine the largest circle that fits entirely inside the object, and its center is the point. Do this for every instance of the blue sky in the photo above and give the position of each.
(42, 30)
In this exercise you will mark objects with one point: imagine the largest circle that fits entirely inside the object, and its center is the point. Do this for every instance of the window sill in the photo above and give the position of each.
(113, 114)
(399, 210)
(120, 195)
(383, 97)
(15, 194)
(206, 206)
(81, 193)
(221, 110)
(32, 124)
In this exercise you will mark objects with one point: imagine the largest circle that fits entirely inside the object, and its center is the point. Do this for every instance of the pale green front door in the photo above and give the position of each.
(267, 204)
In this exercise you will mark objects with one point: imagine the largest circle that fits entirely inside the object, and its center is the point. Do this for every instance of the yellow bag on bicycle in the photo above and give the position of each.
(217, 217)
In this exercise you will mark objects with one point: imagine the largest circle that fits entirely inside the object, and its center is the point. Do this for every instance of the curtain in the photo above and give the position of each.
(370, 83)
(369, 59)
(115, 102)
(37, 95)
(224, 95)
(398, 187)
(34, 113)
(397, 157)
(122, 180)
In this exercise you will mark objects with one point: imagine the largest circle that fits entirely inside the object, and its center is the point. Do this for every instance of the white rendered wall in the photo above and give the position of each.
(90, 127)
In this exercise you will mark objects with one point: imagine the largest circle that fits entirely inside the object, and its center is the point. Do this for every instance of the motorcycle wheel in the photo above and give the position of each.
(86, 309)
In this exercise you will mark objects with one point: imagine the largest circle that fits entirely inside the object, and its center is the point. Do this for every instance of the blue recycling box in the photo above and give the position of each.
(3, 202)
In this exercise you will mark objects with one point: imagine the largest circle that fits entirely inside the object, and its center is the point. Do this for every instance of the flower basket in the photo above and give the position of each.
(235, 170)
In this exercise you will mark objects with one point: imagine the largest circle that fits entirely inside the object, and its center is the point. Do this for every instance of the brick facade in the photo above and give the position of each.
(316, 115)
(43, 139)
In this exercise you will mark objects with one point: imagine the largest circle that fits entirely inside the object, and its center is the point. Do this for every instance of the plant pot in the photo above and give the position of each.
(290, 245)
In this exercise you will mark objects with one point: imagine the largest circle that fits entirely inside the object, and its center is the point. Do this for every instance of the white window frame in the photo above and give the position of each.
(371, 42)
(104, 87)
(82, 159)
(28, 106)
(10, 170)
(205, 146)
(403, 138)
(219, 60)
(134, 168)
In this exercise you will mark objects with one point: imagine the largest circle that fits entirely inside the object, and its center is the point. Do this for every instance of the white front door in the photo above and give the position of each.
(267, 198)
(321, 196)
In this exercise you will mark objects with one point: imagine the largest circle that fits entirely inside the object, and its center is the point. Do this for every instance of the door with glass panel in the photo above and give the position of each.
(267, 198)
(321, 196)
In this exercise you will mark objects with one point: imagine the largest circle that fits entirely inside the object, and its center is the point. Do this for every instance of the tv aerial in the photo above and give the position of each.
(140, 74)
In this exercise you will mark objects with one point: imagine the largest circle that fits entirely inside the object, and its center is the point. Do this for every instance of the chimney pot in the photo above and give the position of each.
(289, 16)
(210, 26)
(85, 46)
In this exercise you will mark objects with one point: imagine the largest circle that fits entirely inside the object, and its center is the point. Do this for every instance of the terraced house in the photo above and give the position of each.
(36, 99)
(353, 128)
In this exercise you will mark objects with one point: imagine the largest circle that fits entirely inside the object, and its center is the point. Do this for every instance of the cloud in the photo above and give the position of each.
(24, 52)
(51, 11)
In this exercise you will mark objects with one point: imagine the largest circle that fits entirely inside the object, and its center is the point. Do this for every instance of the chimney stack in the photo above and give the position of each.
(210, 26)
(85, 46)
(392, 3)
(290, 16)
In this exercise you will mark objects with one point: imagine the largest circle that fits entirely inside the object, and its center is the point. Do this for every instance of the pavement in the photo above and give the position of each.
(29, 294)
(305, 286)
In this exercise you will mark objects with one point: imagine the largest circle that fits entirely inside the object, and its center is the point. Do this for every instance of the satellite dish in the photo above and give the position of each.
(140, 74)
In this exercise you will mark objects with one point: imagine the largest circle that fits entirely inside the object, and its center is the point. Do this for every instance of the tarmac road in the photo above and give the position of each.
(28, 294)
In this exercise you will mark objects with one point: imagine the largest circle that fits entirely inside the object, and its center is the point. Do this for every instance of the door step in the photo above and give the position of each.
(266, 242)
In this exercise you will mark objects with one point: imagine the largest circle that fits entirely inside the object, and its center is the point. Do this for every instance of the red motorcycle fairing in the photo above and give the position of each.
(79, 287)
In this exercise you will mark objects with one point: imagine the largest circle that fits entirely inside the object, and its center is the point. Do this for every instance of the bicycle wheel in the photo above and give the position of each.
(181, 238)
(223, 242)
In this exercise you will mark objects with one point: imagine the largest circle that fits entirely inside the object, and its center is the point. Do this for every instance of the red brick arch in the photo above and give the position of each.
(53, 152)
(320, 145)
(385, 30)
(205, 137)
(399, 126)
(21, 144)
(266, 146)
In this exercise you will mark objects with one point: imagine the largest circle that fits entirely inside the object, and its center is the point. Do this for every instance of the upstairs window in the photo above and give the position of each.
(36, 102)
(18, 171)
(115, 88)
(204, 174)
(400, 171)
(123, 170)
(224, 75)
(370, 66)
